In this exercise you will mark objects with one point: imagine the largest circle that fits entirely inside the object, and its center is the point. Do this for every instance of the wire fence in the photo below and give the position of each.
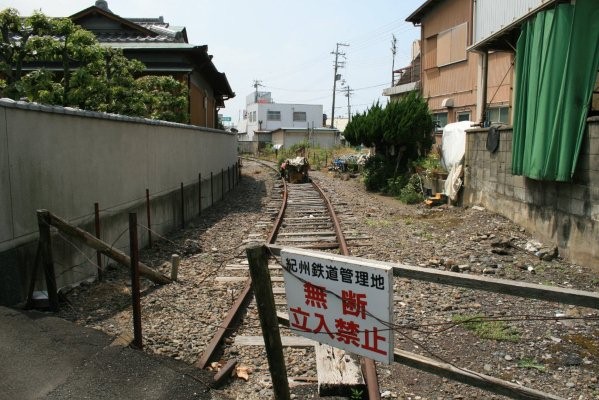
(215, 266)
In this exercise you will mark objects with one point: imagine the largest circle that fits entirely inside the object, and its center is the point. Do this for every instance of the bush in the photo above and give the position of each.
(377, 171)
(411, 193)
(395, 185)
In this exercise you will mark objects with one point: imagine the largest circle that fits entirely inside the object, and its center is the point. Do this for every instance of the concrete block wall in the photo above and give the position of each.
(65, 160)
(563, 214)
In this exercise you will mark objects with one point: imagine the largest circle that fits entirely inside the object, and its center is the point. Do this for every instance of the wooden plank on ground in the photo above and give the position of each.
(307, 233)
(239, 267)
(233, 279)
(338, 372)
(287, 341)
(308, 239)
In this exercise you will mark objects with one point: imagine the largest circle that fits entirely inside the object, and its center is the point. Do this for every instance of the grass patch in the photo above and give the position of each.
(378, 222)
(494, 330)
(531, 363)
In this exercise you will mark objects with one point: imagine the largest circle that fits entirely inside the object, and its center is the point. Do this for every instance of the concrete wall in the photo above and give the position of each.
(564, 214)
(325, 139)
(66, 160)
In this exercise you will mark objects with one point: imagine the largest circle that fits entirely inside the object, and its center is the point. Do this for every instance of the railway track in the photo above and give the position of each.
(301, 216)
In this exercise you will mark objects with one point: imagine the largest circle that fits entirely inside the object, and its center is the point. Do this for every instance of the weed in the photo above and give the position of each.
(356, 394)
(494, 330)
(531, 363)
(411, 193)
(378, 222)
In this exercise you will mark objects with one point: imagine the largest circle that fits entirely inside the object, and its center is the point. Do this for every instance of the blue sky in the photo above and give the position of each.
(285, 45)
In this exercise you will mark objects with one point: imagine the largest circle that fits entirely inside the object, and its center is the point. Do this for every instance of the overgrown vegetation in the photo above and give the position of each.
(317, 156)
(401, 133)
(486, 329)
(85, 74)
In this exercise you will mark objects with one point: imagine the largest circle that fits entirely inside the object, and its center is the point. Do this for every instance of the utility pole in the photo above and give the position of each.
(348, 93)
(256, 84)
(393, 51)
(338, 64)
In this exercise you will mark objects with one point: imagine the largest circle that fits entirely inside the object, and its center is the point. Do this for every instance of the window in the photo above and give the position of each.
(440, 120)
(499, 114)
(299, 116)
(273, 115)
(430, 55)
(464, 116)
(451, 45)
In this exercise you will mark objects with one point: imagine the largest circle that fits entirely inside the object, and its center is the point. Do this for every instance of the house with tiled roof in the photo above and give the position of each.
(165, 50)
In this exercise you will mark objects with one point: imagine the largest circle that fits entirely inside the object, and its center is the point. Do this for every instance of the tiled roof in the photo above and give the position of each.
(112, 37)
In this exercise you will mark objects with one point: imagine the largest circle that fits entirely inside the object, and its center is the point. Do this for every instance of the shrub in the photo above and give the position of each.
(411, 193)
(377, 171)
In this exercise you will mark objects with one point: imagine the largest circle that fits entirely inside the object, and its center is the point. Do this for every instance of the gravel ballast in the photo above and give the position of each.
(548, 346)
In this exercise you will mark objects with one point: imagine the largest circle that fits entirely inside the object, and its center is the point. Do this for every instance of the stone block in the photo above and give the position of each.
(519, 193)
(577, 207)
(518, 181)
(579, 192)
(594, 146)
(509, 191)
(563, 204)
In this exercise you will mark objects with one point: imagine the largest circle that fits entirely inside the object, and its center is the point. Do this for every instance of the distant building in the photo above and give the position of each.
(262, 114)
(340, 123)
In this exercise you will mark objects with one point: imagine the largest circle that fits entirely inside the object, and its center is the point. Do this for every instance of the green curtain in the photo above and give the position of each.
(557, 58)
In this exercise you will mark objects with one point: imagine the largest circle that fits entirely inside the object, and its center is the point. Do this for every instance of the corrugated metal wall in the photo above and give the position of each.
(493, 15)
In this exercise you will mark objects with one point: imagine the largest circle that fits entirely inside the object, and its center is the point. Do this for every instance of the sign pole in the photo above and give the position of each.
(261, 283)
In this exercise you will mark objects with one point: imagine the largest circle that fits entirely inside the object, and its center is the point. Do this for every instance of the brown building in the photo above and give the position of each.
(450, 73)
(165, 50)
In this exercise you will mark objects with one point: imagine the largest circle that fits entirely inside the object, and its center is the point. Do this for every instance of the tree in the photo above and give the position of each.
(408, 127)
(163, 97)
(15, 48)
(402, 127)
(86, 74)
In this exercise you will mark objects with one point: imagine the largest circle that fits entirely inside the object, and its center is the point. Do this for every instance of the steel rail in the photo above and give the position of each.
(227, 324)
(367, 364)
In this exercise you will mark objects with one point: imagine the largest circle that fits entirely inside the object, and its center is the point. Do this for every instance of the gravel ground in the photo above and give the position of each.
(544, 351)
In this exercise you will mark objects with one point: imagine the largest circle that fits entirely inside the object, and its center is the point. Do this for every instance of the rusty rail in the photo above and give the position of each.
(367, 364)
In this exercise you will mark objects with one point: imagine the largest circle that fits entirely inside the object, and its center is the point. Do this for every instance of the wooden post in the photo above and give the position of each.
(199, 194)
(43, 220)
(211, 189)
(175, 260)
(229, 179)
(222, 183)
(135, 296)
(148, 215)
(182, 207)
(261, 283)
(239, 168)
(97, 226)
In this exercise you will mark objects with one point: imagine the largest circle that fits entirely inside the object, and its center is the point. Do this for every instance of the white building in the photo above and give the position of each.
(262, 114)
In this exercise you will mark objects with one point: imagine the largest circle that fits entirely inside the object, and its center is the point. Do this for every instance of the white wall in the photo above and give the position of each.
(313, 116)
(66, 160)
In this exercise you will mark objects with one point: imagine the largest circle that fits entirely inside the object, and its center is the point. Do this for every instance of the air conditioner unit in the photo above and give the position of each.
(448, 103)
